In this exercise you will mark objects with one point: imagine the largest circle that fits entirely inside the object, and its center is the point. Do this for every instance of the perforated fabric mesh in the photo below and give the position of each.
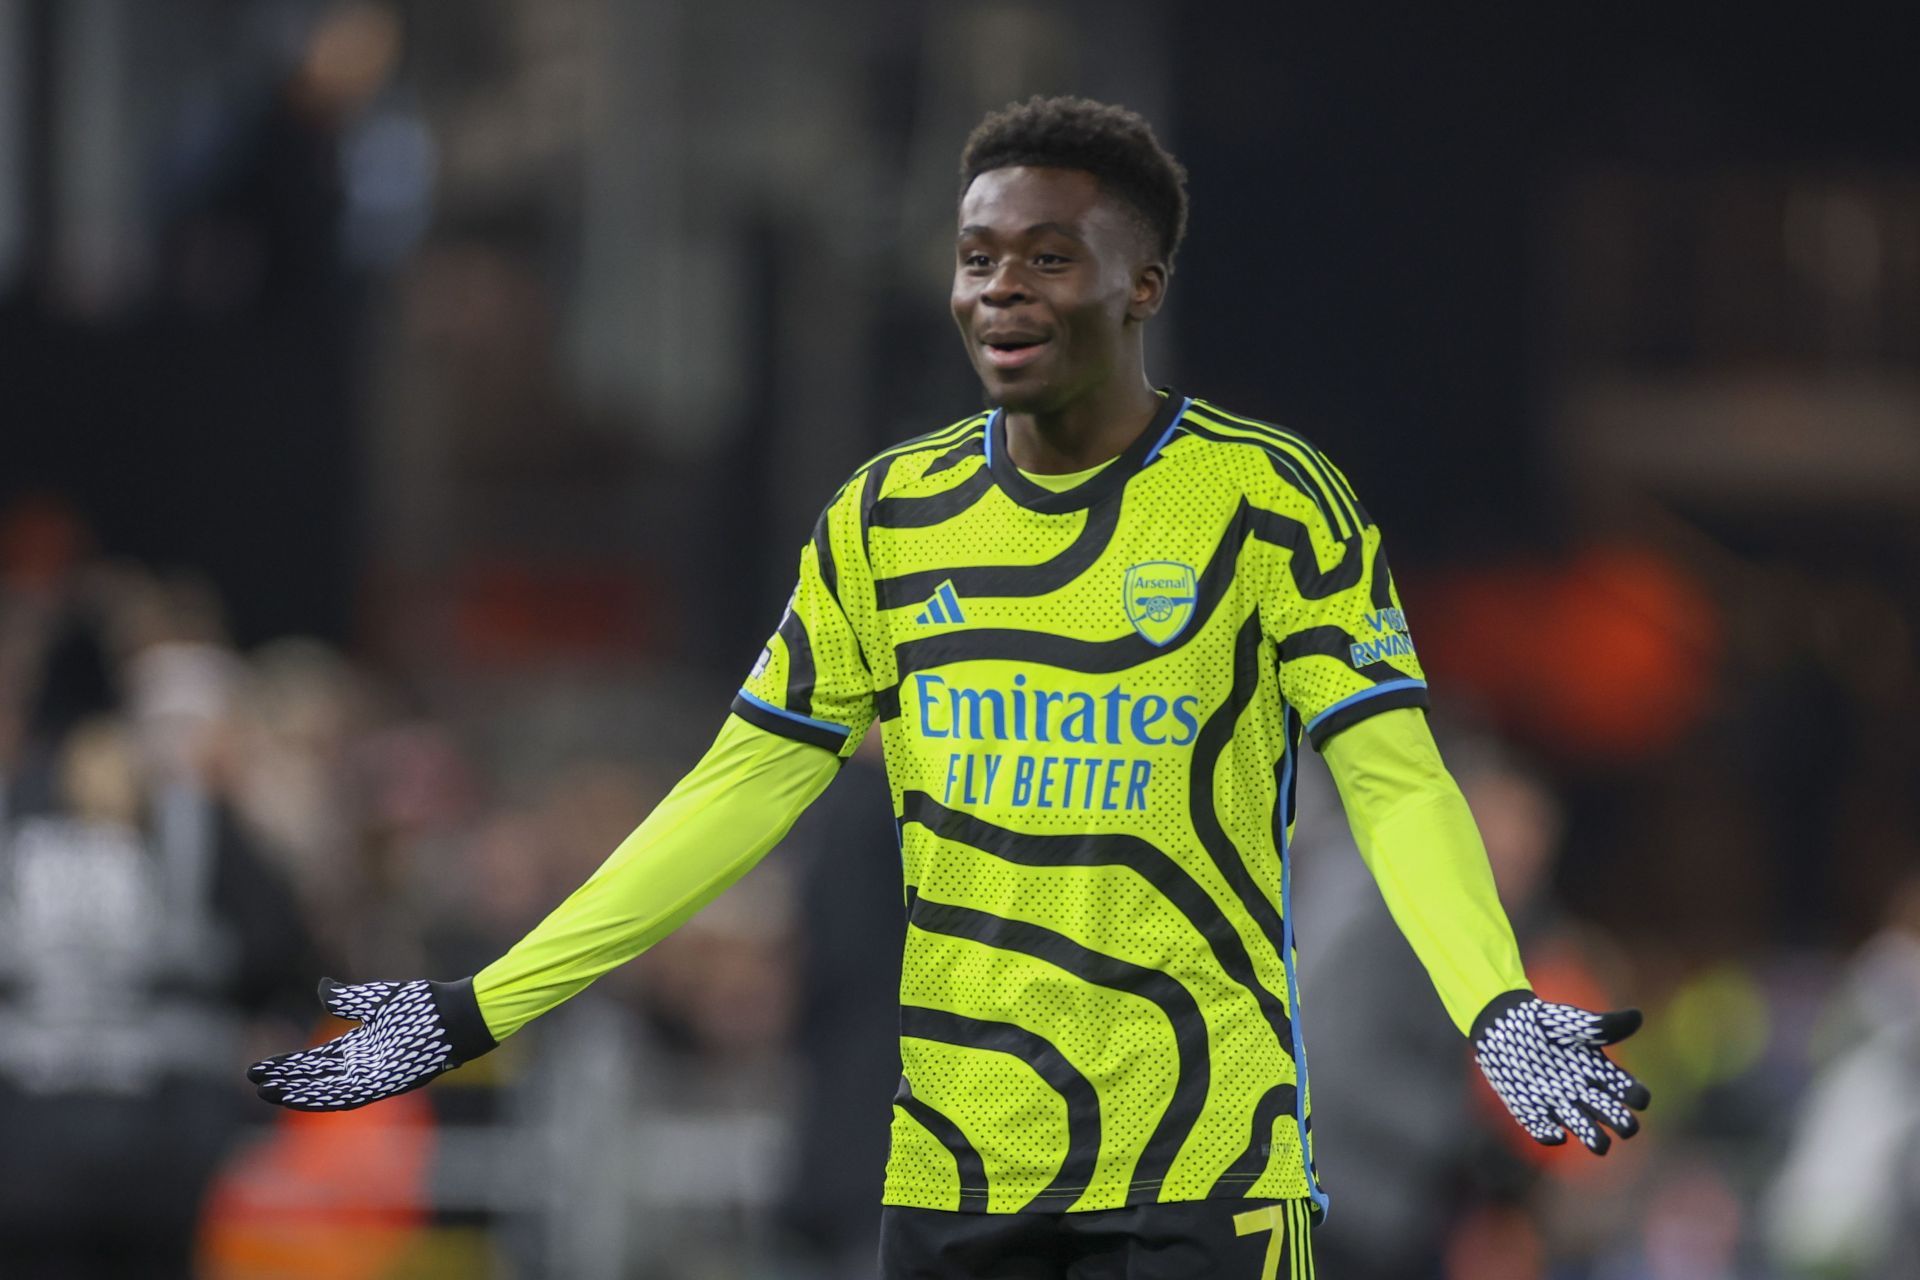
(813, 666)
(1119, 1040)
(923, 1172)
(1085, 715)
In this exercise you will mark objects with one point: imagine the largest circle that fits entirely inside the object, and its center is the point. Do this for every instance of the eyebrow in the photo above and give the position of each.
(1059, 228)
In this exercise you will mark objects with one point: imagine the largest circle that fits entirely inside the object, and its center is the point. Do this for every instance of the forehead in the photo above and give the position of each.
(1008, 201)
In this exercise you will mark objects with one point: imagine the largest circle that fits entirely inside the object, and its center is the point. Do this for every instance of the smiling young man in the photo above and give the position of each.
(1095, 624)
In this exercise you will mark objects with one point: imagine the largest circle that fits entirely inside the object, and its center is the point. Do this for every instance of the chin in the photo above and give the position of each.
(1021, 396)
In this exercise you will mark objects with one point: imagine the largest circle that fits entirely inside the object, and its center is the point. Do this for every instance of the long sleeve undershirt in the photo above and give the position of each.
(1420, 842)
(711, 829)
(1411, 822)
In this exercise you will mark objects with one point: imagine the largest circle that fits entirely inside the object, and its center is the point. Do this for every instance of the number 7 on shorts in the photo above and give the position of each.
(1288, 1224)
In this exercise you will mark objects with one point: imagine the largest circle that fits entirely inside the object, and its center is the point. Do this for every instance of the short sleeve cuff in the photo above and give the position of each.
(791, 724)
(1350, 711)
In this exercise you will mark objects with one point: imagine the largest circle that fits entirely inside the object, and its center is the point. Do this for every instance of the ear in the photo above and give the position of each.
(1149, 291)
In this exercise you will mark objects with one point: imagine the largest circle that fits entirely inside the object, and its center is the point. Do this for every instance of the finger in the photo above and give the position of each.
(301, 1101)
(1584, 1125)
(308, 1094)
(348, 1091)
(1627, 1089)
(1608, 1074)
(1551, 1135)
(329, 1055)
(1537, 1120)
(324, 1057)
(357, 1002)
(260, 1070)
(290, 1072)
(1611, 1110)
(1612, 1028)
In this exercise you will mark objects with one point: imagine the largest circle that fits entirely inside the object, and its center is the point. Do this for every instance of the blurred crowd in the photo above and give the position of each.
(191, 834)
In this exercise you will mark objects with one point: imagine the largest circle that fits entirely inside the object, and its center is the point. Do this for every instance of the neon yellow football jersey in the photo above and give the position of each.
(1091, 703)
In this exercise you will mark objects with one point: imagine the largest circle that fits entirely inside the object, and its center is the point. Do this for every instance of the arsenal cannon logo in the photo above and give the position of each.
(1159, 599)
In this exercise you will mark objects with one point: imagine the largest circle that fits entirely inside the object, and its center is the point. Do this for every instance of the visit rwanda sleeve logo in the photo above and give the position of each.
(1389, 638)
(1159, 599)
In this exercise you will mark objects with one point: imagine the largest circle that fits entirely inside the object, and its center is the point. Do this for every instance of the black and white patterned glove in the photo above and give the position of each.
(409, 1033)
(1545, 1062)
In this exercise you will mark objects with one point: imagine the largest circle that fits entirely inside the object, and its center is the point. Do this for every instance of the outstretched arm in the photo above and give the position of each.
(709, 831)
(806, 704)
(1419, 840)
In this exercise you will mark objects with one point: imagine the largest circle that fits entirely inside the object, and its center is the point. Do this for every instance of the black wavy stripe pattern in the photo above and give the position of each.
(823, 555)
(1281, 1099)
(970, 446)
(1285, 466)
(877, 469)
(1174, 1000)
(1212, 742)
(953, 433)
(1252, 1162)
(800, 673)
(1083, 1104)
(869, 495)
(1285, 781)
(1092, 657)
(1324, 642)
(1382, 584)
(972, 1169)
(932, 509)
(830, 575)
(1309, 457)
(1010, 581)
(1208, 749)
(1150, 863)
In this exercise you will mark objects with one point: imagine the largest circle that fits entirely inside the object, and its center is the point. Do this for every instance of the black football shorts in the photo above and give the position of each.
(1191, 1240)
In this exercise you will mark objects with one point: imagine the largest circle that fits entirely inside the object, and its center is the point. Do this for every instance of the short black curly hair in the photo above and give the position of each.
(1114, 144)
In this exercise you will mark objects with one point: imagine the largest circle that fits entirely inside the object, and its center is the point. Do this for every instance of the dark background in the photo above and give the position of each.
(1368, 262)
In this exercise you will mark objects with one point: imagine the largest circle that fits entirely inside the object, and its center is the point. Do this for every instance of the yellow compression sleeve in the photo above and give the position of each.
(709, 831)
(1421, 844)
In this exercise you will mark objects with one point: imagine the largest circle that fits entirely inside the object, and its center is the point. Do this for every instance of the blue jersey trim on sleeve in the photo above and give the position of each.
(795, 716)
(1294, 1012)
(1386, 686)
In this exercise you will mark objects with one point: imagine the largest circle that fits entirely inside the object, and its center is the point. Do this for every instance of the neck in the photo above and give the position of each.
(1084, 433)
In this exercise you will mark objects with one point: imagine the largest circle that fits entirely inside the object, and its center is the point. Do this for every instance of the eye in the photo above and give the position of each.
(1050, 260)
(975, 261)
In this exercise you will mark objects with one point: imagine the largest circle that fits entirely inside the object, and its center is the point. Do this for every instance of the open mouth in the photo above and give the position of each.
(1012, 353)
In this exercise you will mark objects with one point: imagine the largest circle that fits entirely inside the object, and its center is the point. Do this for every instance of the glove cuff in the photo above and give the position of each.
(1496, 1008)
(467, 1032)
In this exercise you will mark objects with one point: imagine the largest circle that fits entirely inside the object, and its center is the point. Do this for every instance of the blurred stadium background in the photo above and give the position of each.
(409, 417)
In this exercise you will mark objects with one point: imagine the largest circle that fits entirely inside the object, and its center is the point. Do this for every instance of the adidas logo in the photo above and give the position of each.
(942, 606)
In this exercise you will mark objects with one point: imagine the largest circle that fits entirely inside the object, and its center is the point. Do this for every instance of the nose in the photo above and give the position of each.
(1006, 287)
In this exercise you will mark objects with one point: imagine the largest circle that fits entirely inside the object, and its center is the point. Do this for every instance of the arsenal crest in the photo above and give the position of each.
(1159, 599)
